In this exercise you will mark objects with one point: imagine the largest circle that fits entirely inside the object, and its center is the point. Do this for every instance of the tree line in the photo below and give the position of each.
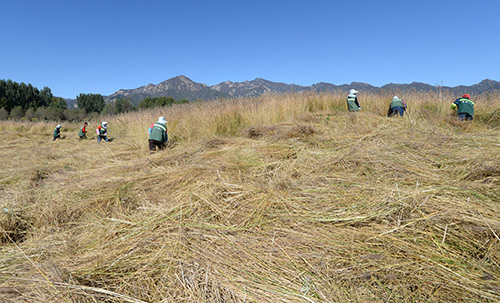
(24, 101)
(152, 102)
(24, 95)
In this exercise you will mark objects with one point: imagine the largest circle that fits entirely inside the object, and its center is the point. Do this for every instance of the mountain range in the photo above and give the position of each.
(181, 87)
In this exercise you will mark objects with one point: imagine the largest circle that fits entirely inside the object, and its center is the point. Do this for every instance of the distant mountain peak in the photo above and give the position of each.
(182, 87)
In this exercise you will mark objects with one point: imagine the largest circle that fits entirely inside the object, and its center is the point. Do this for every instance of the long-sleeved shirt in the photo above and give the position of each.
(101, 131)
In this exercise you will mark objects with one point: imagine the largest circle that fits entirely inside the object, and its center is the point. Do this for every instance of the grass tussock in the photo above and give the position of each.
(282, 198)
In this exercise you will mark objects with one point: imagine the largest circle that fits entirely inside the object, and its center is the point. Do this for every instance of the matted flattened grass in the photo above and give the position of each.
(276, 199)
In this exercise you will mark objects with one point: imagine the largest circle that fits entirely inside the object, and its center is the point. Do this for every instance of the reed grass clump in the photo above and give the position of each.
(280, 198)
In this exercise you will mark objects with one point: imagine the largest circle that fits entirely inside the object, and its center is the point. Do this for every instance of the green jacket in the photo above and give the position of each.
(158, 132)
(397, 103)
(82, 132)
(352, 104)
(464, 106)
(57, 132)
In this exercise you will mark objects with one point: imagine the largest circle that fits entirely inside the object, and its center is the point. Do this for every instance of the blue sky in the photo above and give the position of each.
(101, 46)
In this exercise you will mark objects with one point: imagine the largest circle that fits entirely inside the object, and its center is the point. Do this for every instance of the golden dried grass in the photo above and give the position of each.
(281, 198)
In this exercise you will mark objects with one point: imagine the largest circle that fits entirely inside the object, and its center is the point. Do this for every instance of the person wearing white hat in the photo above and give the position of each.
(397, 106)
(57, 132)
(352, 101)
(158, 135)
(102, 132)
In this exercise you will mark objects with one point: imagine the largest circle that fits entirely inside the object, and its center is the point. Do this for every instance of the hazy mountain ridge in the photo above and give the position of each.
(328, 87)
(255, 88)
(181, 87)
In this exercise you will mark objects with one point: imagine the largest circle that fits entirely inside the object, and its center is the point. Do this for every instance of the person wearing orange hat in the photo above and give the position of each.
(464, 107)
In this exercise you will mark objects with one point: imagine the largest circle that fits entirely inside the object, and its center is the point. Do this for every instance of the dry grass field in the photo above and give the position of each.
(285, 198)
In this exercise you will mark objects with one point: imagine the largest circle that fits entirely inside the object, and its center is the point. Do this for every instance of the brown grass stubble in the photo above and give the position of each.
(278, 198)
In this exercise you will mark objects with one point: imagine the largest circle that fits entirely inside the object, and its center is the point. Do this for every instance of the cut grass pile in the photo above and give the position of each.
(277, 199)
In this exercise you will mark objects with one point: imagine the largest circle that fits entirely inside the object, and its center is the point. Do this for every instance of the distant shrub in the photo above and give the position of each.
(74, 114)
(3, 114)
(17, 113)
(54, 114)
(41, 113)
(30, 114)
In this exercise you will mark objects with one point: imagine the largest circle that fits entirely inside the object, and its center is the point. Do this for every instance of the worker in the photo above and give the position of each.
(83, 132)
(57, 132)
(158, 135)
(397, 106)
(102, 132)
(352, 101)
(464, 107)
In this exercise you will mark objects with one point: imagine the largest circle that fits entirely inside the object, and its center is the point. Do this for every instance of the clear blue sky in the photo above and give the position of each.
(101, 46)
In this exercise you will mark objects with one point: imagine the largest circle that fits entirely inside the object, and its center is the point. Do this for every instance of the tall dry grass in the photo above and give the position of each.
(281, 198)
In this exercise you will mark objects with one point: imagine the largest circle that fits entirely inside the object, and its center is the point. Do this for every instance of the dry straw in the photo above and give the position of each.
(281, 198)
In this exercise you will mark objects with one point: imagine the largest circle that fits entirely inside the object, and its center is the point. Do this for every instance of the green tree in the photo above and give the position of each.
(151, 102)
(3, 101)
(109, 109)
(123, 106)
(45, 96)
(3, 94)
(13, 94)
(91, 102)
(146, 103)
(22, 95)
(58, 103)
(163, 101)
